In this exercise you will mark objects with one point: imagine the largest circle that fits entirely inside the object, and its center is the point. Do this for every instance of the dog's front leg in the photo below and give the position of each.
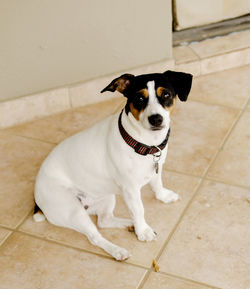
(132, 197)
(162, 194)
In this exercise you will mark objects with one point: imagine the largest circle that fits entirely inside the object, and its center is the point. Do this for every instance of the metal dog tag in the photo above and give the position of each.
(156, 159)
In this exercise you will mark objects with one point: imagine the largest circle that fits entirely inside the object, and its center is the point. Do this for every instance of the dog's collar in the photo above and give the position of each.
(140, 148)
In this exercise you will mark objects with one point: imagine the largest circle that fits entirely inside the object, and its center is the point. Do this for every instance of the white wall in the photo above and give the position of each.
(192, 13)
(51, 43)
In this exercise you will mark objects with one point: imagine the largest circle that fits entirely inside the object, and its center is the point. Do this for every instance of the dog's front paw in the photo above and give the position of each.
(167, 196)
(147, 234)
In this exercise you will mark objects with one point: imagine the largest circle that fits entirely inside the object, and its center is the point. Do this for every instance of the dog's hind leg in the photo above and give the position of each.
(65, 210)
(106, 218)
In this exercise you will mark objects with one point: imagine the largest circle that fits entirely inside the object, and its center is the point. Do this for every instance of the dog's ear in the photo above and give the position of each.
(181, 82)
(120, 84)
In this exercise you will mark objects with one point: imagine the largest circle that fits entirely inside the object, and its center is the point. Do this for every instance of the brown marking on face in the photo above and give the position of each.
(160, 90)
(144, 92)
(172, 107)
(134, 111)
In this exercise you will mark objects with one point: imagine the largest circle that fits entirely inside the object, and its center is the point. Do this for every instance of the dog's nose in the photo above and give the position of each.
(155, 119)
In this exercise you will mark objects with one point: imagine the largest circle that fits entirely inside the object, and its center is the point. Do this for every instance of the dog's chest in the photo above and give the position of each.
(133, 167)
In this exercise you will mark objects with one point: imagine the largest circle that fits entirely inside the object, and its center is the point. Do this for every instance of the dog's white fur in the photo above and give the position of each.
(89, 168)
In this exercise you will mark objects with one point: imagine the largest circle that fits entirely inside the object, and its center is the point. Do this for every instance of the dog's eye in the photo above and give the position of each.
(140, 98)
(165, 94)
(139, 101)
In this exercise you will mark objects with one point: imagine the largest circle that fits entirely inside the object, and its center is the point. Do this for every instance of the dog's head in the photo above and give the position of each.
(151, 98)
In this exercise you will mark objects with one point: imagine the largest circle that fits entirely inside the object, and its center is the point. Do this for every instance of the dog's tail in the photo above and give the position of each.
(38, 215)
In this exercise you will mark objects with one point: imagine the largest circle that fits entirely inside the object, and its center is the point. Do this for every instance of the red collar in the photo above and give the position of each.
(140, 148)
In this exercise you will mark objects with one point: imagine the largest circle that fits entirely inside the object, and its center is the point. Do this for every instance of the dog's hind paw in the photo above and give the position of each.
(167, 196)
(120, 254)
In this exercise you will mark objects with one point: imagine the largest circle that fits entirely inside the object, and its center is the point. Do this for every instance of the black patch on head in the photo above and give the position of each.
(181, 82)
(138, 99)
(171, 83)
(140, 83)
(165, 96)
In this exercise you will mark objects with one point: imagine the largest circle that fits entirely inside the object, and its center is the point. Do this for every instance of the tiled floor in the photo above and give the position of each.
(203, 240)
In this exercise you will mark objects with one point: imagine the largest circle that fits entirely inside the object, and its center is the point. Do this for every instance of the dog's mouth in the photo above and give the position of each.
(155, 128)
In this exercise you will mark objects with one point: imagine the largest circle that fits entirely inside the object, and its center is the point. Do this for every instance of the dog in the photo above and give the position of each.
(118, 155)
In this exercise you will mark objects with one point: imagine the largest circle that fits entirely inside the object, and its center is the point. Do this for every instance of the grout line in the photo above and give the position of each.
(39, 118)
(69, 110)
(52, 241)
(203, 178)
(236, 122)
(170, 235)
(182, 173)
(70, 98)
(211, 179)
(179, 220)
(196, 54)
(5, 238)
(189, 280)
(6, 227)
(214, 158)
(13, 230)
(19, 224)
(225, 139)
(221, 54)
(147, 273)
(215, 104)
(144, 279)
(63, 244)
(28, 137)
(210, 57)
(24, 219)
(60, 243)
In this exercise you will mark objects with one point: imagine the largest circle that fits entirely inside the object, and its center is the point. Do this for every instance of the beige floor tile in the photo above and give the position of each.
(229, 87)
(239, 139)
(233, 163)
(231, 167)
(56, 128)
(211, 244)
(30, 107)
(162, 218)
(225, 61)
(197, 130)
(160, 281)
(4, 234)
(222, 45)
(193, 67)
(20, 161)
(32, 263)
(183, 54)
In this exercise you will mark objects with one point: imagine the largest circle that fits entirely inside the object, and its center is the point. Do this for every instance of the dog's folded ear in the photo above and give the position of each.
(181, 82)
(120, 84)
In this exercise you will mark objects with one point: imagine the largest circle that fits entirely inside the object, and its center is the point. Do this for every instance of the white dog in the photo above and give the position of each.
(120, 154)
